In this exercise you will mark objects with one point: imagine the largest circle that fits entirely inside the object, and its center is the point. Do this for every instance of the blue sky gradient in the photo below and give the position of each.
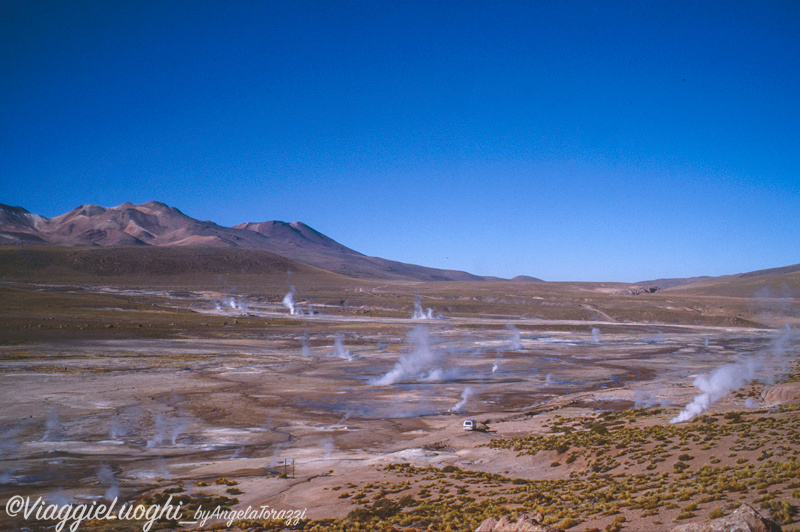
(574, 140)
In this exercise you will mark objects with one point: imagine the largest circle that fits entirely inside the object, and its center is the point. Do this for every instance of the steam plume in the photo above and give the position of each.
(721, 382)
(647, 397)
(515, 342)
(232, 303)
(167, 430)
(418, 313)
(498, 361)
(328, 446)
(420, 363)
(288, 301)
(276, 454)
(465, 395)
(306, 349)
(163, 469)
(729, 377)
(339, 350)
(106, 477)
(124, 422)
(117, 429)
(52, 426)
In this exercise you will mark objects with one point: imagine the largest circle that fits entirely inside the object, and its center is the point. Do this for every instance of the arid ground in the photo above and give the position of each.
(209, 390)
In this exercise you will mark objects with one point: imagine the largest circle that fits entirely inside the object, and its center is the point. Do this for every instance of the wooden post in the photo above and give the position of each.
(286, 467)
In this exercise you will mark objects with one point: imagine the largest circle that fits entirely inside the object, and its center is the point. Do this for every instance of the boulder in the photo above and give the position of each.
(487, 525)
(744, 519)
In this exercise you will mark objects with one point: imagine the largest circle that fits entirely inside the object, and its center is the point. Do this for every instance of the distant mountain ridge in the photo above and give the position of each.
(157, 224)
(788, 275)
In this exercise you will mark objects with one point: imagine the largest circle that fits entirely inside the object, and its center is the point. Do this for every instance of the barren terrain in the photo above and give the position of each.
(205, 387)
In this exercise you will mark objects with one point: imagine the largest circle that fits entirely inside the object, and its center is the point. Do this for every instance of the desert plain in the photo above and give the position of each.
(599, 406)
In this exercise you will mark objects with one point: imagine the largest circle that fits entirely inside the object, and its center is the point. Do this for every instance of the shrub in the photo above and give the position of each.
(684, 515)
(782, 512)
(385, 508)
(407, 500)
(716, 513)
(616, 526)
(679, 467)
(568, 522)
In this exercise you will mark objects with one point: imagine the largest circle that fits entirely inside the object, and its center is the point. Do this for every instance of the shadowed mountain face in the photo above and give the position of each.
(157, 224)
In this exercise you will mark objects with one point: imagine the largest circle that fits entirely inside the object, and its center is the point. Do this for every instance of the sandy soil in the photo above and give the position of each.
(92, 418)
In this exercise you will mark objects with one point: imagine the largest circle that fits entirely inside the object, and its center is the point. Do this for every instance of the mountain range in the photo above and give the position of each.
(156, 224)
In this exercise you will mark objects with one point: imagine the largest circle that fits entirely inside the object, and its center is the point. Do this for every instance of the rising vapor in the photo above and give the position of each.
(465, 395)
(515, 343)
(339, 349)
(288, 301)
(419, 314)
(420, 364)
(730, 377)
(722, 381)
(105, 476)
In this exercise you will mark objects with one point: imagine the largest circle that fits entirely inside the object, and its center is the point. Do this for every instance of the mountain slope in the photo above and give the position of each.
(296, 233)
(151, 223)
(157, 224)
(18, 226)
(173, 267)
(774, 283)
(304, 244)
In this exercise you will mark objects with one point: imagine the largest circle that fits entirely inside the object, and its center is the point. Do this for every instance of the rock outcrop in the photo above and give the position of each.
(637, 290)
(744, 519)
(781, 393)
(525, 523)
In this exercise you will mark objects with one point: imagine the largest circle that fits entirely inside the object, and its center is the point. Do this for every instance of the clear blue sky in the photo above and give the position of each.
(568, 140)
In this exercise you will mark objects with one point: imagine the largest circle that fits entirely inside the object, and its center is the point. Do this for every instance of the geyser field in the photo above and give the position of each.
(597, 408)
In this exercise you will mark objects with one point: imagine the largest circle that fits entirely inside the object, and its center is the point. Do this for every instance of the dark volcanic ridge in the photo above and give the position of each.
(156, 224)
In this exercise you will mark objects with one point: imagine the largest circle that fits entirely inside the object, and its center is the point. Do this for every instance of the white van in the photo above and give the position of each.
(470, 424)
